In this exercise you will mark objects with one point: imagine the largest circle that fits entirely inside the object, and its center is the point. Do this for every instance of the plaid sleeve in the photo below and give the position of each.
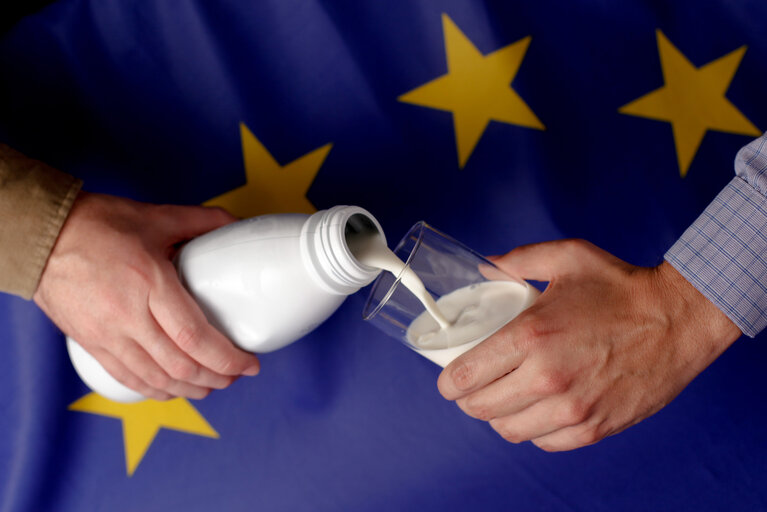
(724, 252)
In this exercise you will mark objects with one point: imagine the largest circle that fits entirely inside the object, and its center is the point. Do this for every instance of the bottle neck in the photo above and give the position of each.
(326, 238)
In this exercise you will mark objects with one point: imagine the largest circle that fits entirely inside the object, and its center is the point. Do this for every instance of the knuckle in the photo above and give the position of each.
(476, 408)
(552, 382)
(506, 432)
(133, 382)
(546, 446)
(530, 329)
(127, 379)
(198, 393)
(572, 412)
(463, 376)
(189, 338)
(575, 246)
(228, 366)
(576, 251)
(588, 436)
(158, 379)
(181, 369)
(512, 437)
(224, 382)
(157, 395)
(118, 348)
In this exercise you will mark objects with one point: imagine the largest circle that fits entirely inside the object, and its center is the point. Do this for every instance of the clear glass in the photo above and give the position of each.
(444, 265)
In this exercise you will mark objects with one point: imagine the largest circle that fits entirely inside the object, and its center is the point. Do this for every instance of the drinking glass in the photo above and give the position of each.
(444, 265)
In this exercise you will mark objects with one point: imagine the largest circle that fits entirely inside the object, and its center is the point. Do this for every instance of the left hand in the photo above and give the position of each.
(110, 284)
(605, 346)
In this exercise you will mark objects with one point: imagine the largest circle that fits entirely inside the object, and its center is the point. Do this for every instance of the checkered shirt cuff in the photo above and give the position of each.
(724, 255)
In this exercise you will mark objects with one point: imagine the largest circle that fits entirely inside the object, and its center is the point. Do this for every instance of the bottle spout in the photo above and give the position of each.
(361, 233)
(331, 240)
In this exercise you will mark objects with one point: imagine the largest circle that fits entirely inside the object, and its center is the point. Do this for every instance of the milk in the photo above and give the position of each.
(377, 255)
(459, 320)
(475, 313)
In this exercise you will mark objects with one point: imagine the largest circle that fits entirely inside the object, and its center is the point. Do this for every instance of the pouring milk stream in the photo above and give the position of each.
(459, 320)
(267, 281)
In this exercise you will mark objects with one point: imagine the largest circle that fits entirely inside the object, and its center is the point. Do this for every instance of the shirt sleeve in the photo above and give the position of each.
(35, 200)
(724, 252)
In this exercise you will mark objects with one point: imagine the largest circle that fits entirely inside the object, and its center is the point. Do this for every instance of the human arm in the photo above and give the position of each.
(590, 361)
(35, 199)
(605, 346)
(724, 252)
(109, 283)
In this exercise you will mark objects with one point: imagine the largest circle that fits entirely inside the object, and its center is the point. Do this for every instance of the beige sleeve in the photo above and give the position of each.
(35, 199)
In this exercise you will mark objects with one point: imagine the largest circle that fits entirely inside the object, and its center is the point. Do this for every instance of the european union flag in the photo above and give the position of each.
(500, 123)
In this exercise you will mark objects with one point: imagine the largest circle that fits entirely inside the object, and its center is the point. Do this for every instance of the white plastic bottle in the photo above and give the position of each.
(264, 282)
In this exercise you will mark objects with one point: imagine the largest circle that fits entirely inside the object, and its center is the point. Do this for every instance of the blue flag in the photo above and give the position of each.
(500, 123)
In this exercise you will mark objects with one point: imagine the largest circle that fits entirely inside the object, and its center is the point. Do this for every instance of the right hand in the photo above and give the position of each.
(605, 346)
(110, 284)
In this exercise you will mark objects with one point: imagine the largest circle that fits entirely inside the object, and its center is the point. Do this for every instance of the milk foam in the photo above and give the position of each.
(475, 313)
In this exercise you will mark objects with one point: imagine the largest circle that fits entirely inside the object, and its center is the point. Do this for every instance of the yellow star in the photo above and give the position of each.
(692, 100)
(269, 187)
(142, 421)
(476, 89)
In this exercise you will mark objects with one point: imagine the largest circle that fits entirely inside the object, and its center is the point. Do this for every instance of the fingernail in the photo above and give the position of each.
(252, 371)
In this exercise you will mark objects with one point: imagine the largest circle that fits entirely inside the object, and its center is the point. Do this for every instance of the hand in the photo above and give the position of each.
(605, 346)
(109, 283)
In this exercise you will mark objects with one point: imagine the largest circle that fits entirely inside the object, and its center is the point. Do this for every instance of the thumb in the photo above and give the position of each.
(542, 261)
(186, 222)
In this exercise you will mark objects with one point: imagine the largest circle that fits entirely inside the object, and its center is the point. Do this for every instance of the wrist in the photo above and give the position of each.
(59, 248)
(694, 316)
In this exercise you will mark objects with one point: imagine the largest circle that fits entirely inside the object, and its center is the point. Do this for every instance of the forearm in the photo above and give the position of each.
(35, 199)
(724, 253)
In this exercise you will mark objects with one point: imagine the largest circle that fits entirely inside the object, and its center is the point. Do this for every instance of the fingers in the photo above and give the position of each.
(176, 363)
(540, 420)
(521, 408)
(186, 222)
(124, 376)
(134, 368)
(544, 261)
(508, 395)
(136, 360)
(488, 361)
(184, 323)
(110, 278)
(570, 438)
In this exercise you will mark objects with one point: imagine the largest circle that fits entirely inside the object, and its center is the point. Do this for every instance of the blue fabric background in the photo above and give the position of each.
(143, 99)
